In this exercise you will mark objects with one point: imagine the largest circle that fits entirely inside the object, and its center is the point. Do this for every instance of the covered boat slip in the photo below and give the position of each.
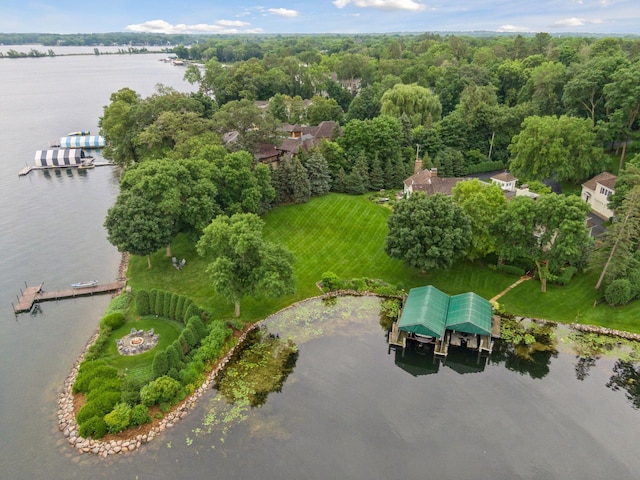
(431, 316)
(63, 157)
(81, 141)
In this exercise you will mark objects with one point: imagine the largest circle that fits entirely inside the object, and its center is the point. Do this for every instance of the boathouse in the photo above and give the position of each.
(62, 157)
(85, 141)
(433, 317)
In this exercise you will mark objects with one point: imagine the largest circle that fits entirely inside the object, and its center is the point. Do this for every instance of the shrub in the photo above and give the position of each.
(160, 364)
(212, 344)
(140, 415)
(634, 279)
(178, 315)
(99, 385)
(190, 337)
(131, 388)
(173, 306)
(618, 292)
(173, 357)
(95, 427)
(159, 306)
(119, 303)
(113, 320)
(153, 293)
(330, 281)
(178, 346)
(198, 327)
(88, 411)
(142, 303)
(565, 277)
(162, 390)
(106, 401)
(92, 370)
(510, 269)
(166, 307)
(191, 311)
(119, 418)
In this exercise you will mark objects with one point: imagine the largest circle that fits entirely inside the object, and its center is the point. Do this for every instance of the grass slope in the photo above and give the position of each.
(345, 234)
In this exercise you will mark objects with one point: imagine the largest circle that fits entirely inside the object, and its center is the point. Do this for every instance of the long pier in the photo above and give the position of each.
(32, 295)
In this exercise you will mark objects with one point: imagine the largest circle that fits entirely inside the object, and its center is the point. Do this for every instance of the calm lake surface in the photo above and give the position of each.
(350, 410)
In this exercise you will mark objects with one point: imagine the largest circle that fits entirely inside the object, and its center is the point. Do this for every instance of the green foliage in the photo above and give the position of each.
(160, 364)
(88, 371)
(510, 269)
(197, 326)
(565, 277)
(153, 294)
(618, 292)
(87, 411)
(94, 427)
(113, 320)
(159, 306)
(179, 312)
(131, 386)
(140, 415)
(166, 307)
(119, 303)
(173, 305)
(488, 166)
(162, 390)
(330, 281)
(389, 311)
(100, 385)
(142, 302)
(190, 336)
(119, 418)
(173, 358)
(191, 311)
(428, 231)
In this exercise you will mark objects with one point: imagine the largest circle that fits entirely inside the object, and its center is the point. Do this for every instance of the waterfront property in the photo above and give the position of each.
(81, 141)
(430, 316)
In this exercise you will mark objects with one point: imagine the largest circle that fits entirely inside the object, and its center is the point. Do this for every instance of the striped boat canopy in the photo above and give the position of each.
(77, 141)
(63, 157)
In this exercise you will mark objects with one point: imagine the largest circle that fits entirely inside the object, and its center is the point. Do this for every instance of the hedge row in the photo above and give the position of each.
(166, 304)
(485, 167)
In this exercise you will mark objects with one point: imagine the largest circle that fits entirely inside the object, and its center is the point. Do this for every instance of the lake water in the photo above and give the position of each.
(351, 409)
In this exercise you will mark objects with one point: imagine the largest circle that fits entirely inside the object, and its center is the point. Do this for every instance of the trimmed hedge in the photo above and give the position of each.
(119, 418)
(162, 390)
(153, 293)
(140, 415)
(172, 306)
(510, 269)
(142, 303)
(565, 277)
(113, 320)
(159, 306)
(95, 427)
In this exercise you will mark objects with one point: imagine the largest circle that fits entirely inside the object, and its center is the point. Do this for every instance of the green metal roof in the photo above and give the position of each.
(469, 313)
(428, 311)
(425, 312)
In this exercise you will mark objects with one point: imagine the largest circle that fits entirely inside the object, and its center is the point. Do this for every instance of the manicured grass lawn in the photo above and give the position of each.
(345, 234)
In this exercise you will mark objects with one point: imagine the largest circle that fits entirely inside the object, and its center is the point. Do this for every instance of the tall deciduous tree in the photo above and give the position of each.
(559, 147)
(428, 231)
(418, 103)
(483, 204)
(242, 263)
(134, 224)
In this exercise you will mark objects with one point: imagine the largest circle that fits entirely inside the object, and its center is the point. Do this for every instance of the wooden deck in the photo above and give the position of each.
(33, 295)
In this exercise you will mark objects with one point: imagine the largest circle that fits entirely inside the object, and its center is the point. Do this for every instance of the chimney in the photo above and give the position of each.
(418, 166)
(434, 172)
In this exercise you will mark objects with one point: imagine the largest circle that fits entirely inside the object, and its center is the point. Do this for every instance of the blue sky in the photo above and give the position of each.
(320, 16)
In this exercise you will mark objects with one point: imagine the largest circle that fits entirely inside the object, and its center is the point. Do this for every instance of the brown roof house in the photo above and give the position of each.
(596, 193)
(428, 181)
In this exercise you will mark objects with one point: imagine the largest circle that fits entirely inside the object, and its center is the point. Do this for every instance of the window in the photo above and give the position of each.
(605, 191)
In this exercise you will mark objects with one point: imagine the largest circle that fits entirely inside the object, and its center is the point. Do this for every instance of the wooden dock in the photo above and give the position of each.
(33, 295)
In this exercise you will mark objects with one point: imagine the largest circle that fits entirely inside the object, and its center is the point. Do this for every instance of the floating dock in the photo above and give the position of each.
(27, 169)
(33, 295)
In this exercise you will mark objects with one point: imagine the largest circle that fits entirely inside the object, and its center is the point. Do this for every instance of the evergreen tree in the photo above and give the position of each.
(318, 172)
(376, 177)
(299, 184)
(340, 182)
(361, 166)
(354, 184)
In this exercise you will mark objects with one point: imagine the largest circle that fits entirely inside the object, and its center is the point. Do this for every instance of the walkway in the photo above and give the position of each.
(518, 282)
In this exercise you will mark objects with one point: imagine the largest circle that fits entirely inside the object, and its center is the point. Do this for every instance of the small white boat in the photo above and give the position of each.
(90, 283)
(80, 133)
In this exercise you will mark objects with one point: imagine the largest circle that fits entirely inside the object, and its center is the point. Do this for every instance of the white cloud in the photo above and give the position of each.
(161, 26)
(382, 4)
(568, 22)
(511, 28)
(283, 12)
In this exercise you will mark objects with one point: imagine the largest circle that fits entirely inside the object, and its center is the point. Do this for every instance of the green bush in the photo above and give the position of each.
(510, 269)
(131, 386)
(88, 373)
(190, 374)
(173, 358)
(191, 311)
(634, 280)
(140, 415)
(113, 320)
(330, 281)
(153, 293)
(178, 346)
(179, 313)
(211, 345)
(142, 303)
(162, 390)
(565, 277)
(190, 337)
(119, 418)
(160, 364)
(166, 307)
(119, 303)
(618, 292)
(159, 306)
(198, 327)
(87, 411)
(173, 306)
(106, 401)
(99, 385)
(95, 428)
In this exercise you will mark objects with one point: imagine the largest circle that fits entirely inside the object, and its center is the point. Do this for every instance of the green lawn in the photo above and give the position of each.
(345, 234)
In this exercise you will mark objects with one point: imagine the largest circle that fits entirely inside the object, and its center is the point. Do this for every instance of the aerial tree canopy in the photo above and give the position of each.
(428, 232)
(418, 103)
(242, 263)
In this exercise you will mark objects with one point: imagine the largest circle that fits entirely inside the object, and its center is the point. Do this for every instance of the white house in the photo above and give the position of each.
(505, 181)
(596, 193)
